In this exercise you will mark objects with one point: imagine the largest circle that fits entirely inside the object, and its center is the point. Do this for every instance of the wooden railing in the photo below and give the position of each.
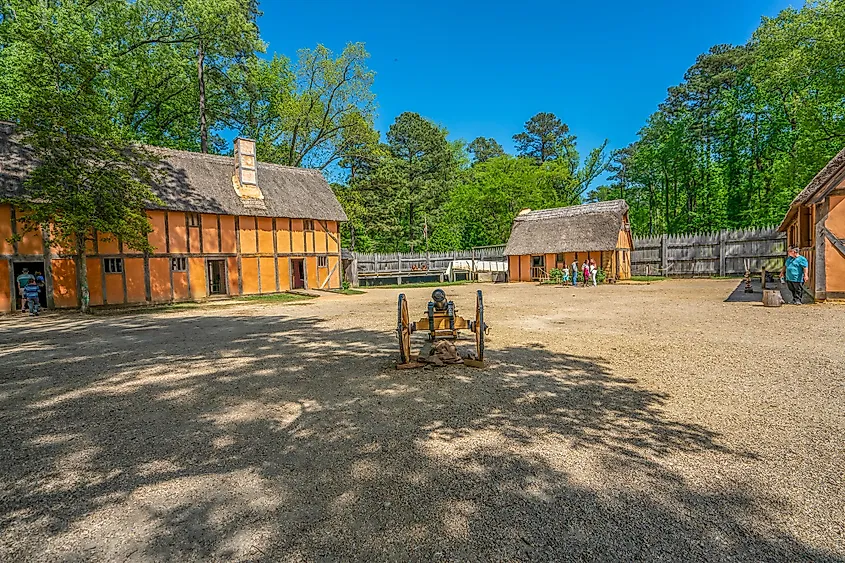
(539, 273)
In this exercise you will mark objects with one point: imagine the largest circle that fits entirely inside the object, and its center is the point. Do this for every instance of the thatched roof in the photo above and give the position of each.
(826, 180)
(202, 183)
(580, 228)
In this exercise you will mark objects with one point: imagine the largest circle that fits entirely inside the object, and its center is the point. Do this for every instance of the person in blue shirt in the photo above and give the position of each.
(796, 270)
(31, 293)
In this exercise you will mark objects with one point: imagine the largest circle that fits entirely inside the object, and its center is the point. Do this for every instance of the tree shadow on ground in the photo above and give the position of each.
(270, 438)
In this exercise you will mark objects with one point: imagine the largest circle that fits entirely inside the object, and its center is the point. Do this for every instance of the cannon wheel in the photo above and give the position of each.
(479, 326)
(403, 330)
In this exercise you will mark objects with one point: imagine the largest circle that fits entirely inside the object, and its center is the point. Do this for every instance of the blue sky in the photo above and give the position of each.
(483, 68)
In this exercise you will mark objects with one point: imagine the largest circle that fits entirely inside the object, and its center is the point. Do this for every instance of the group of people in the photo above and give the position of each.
(29, 287)
(589, 271)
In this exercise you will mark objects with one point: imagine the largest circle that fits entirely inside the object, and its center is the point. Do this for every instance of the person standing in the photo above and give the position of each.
(585, 269)
(23, 280)
(593, 271)
(575, 272)
(31, 292)
(797, 273)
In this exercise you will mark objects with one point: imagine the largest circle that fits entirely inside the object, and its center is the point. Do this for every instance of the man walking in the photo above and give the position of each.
(23, 281)
(797, 273)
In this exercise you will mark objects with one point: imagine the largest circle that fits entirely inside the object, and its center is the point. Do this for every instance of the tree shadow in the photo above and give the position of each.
(272, 437)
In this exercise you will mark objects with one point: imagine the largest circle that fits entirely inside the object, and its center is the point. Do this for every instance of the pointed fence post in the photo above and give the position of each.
(664, 254)
(723, 252)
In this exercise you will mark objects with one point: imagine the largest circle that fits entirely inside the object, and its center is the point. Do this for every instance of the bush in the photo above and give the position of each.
(556, 275)
(345, 284)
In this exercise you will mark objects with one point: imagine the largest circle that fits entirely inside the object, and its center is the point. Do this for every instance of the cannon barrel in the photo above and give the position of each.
(438, 297)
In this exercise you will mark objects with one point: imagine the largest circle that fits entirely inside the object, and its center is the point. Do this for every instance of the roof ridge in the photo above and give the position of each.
(223, 157)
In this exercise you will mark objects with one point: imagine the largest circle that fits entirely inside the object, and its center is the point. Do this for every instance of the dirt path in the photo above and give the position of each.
(652, 422)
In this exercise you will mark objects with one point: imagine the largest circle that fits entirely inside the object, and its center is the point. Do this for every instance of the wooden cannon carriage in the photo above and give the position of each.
(442, 322)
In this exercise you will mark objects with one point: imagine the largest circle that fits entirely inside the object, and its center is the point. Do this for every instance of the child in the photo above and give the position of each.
(565, 279)
(31, 293)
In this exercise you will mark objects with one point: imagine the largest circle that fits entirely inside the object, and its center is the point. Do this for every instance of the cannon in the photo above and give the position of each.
(441, 321)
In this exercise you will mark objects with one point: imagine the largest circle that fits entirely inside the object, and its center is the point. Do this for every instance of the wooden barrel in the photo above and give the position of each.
(772, 298)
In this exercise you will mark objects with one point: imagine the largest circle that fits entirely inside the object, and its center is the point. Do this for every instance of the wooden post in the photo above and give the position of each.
(723, 239)
(819, 274)
(664, 254)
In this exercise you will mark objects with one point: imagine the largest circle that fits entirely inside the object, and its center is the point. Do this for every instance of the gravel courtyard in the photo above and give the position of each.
(630, 422)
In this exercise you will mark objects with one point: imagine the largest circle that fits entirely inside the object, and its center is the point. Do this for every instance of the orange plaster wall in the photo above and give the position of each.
(178, 232)
(210, 242)
(513, 268)
(232, 267)
(31, 242)
(525, 267)
(114, 288)
(157, 237)
(298, 238)
(64, 283)
(5, 298)
(309, 239)
(106, 246)
(227, 234)
(834, 261)
(5, 229)
(284, 273)
(334, 283)
(95, 281)
(194, 239)
(265, 236)
(136, 291)
(180, 286)
(199, 287)
(283, 235)
(322, 244)
(249, 269)
(311, 272)
(332, 244)
(550, 262)
(247, 228)
(160, 279)
(268, 275)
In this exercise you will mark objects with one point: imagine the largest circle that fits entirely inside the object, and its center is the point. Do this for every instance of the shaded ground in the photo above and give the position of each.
(652, 422)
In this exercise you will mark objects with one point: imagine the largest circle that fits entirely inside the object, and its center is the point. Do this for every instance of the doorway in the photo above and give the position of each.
(33, 268)
(216, 277)
(297, 274)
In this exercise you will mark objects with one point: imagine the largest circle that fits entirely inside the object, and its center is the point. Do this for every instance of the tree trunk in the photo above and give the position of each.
(201, 82)
(82, 273)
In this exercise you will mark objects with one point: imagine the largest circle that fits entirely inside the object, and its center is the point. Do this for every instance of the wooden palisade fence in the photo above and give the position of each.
(723, 253)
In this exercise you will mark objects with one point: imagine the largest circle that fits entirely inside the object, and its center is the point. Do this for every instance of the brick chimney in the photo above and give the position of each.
(245, 179)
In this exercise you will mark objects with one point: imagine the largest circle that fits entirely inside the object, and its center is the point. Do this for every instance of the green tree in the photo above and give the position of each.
(545, 137)
(483, 149)
(88, 179)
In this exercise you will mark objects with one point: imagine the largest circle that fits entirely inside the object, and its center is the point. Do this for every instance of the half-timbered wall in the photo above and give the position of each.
(255, 253)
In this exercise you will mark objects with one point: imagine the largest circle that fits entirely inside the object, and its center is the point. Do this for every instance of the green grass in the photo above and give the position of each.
(276, 297)
(419, 284)
(647, 278)
(348, 291)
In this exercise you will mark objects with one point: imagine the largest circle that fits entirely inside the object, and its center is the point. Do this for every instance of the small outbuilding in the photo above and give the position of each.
(815, 223)
(553, 238)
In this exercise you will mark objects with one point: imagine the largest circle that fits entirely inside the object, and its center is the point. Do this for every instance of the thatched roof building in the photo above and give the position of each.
(201, 183)
(815, 223)
(549, 238)
(226, 225)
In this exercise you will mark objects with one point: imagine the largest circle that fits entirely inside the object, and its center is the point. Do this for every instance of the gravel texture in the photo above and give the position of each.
(630, 422)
